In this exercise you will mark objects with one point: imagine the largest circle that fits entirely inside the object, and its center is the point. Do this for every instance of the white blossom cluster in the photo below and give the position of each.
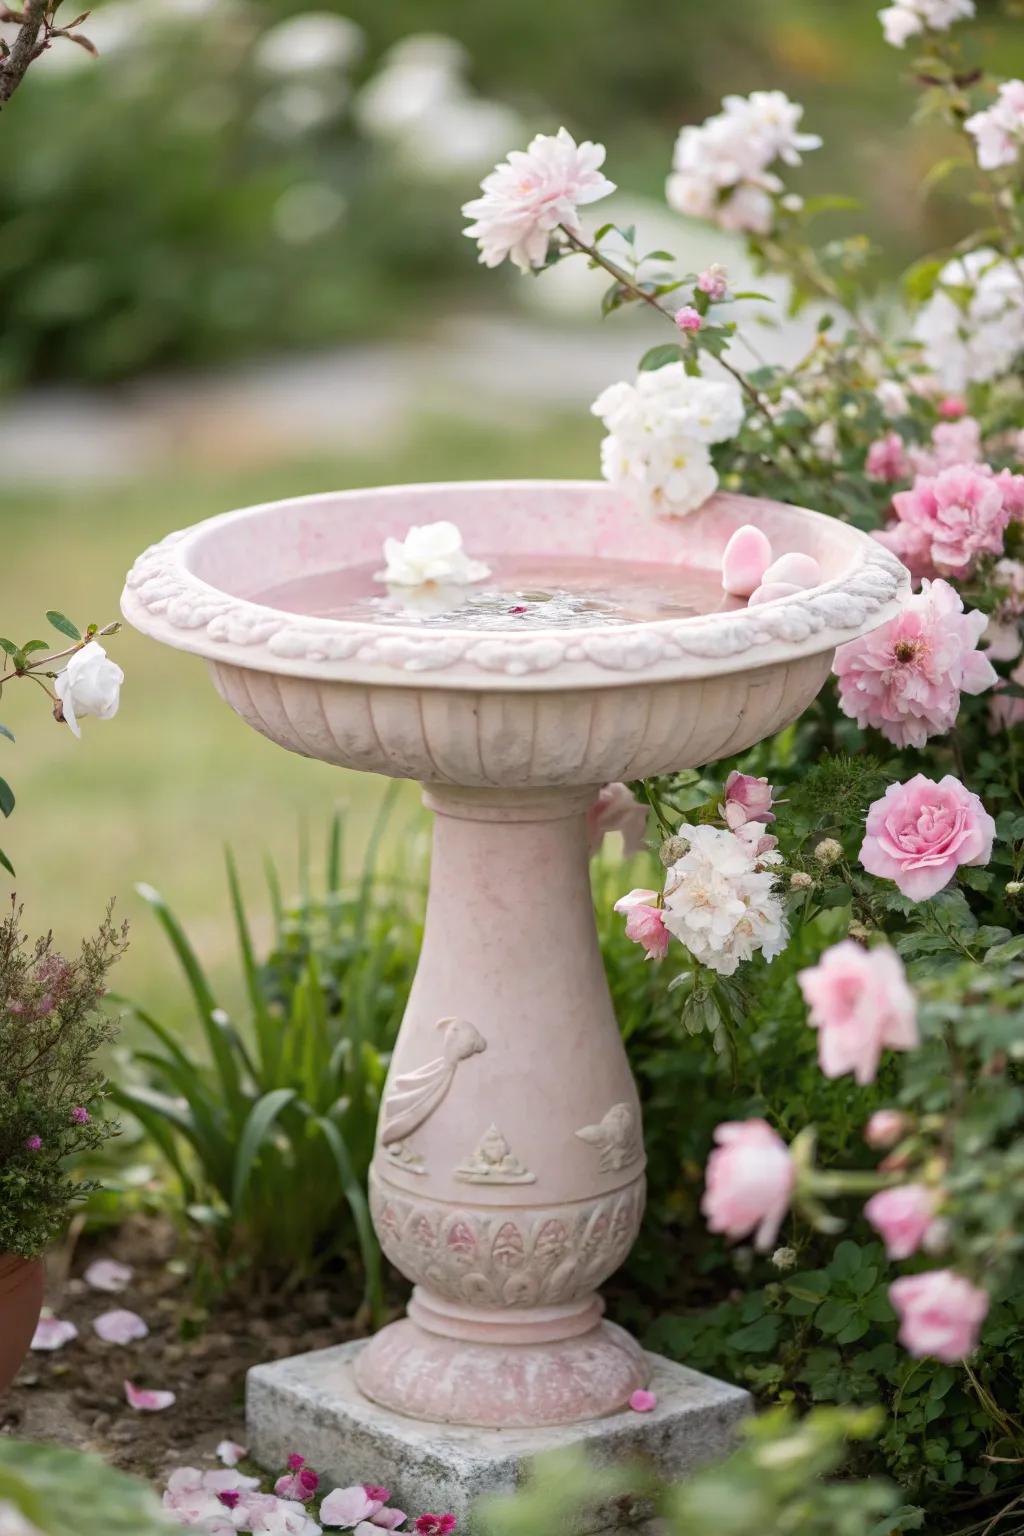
(659, 433)
(998, 132)
(981, 338)
(909, 18)
(720, 898)
(721, 169)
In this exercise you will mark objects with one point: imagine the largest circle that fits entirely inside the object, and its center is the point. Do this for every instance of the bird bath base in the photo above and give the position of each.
(313, 1401)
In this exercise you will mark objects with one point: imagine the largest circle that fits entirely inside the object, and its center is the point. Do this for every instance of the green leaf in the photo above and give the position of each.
(833, 1316)
(1000, 953)
(256, 1131)
(6, 731)
(757, 1337)
(353, 1190)
(6, 797)
(8, 646)
(63, 624)
(5, 861)
(268, 1034)
(34, 645)
(659, 357)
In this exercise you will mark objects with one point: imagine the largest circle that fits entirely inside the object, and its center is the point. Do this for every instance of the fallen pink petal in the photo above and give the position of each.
(348, 1506)
(642, 1401)
(109, 1275)
(53, 1333)
(231, 1453)
(120, 1327)
(146, 1400)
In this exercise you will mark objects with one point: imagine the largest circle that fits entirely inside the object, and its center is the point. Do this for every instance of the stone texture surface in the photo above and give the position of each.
(311, 1403)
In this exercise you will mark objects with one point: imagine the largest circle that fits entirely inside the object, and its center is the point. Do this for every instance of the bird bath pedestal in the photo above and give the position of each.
(508, 1178)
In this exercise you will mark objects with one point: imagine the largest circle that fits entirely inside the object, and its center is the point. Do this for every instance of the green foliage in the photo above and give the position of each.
(60, 1491)
(270, 1136)
(51, 1031)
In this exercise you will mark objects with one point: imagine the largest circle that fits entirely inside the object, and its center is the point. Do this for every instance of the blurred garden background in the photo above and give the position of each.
(232, 268)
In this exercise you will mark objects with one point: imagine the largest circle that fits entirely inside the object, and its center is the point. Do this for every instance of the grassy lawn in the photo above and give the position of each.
(156, 794)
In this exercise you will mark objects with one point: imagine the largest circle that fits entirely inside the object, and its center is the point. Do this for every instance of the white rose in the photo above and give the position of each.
(431, 553)
(89, 685)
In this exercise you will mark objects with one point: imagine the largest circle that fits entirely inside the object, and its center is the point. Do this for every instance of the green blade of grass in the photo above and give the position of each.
(257, 1128)
(358, 1205)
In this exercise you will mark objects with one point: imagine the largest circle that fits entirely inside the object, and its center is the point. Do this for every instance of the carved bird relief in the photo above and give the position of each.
(415, 1095)
(617, 1138)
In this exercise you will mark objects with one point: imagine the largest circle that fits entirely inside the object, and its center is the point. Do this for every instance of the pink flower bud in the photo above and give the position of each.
(714, 282)
(688, 319)
(885, 1128)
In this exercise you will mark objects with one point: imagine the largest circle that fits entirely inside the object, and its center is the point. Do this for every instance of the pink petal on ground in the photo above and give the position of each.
(643, 1402)
(745, 559)
(108, 1275)
(143, 1400)
(795, 570)
(52, 1333)
(388, 1519)
(231, 1453)
(120, 1327)
(347, 1507)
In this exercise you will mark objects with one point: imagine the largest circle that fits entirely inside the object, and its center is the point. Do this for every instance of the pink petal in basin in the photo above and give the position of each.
(794, 570)
(769, 591)
(745, 559)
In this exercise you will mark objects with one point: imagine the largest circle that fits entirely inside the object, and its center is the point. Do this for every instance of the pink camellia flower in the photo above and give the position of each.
(80, 1115)
(645, 922)
(961, 513)
(688, 319)
(120, 1327)
(1006, 710)
(906, 677)
(748, 1182)
(617, 809)
(940, 1314)
(33, 1143)
(53, 1333)
(887, 460)
(885, 1127)
(144, 1400)
(530, 194)
(714, 281)
(860, 1003)
(746, 799)
(643, 1402)
(434, 1525)
(920, 832)
(108, 1275)
(902, 1217)
(348, 1506)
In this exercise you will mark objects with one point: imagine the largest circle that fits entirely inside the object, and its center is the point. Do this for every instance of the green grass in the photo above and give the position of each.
(155, 794)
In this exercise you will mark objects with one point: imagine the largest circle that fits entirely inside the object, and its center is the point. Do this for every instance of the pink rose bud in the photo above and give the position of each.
(902, 1217)
(688, 318)
(714, 281)
(920, 833)
(951, 407)
(746, 799)
(885, 1128)
(745, 559)
(748, 1182)
(645, 922)
(643, 1402)
(860, 1003)
(940, 1314)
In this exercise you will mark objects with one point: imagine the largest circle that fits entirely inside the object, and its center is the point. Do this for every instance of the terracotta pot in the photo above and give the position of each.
(21, 1301)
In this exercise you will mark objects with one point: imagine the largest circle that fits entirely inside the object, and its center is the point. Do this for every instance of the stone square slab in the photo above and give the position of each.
(310, 1403)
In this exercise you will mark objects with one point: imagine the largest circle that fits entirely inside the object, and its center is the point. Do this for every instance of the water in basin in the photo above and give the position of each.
(543, 592)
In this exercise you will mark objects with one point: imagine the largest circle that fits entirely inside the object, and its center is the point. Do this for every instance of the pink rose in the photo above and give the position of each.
(902, 1217)
(920, 832)
(748, 1182)
(859, 1003)
(886, 460)
(688, 319)
(617, 809)
(940, 1314)
(746, 799)
(962, 512)
(645, 922)
(953, 442)
(906, 677)
(885, 1128)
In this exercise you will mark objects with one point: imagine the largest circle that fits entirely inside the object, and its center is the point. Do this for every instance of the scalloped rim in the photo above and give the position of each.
(163, 598)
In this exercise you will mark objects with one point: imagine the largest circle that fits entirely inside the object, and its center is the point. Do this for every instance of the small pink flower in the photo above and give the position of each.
(962, 512)
(714, 281)
(33, 1143)
(688, 319)
(143, 1400)
(80, 1115)
(643, 1402)
(906, 677)
(886, 460)
(859, 1003)
(940, 1314)
(617, 809)
(902, 1217)
(645, 922)
(434, 1525)
(884, 1128)
(120, 1327)
(920, 832)
(53, 1333)
(230, 1453)
(952, 407)
(108, 1275)
(348, 1506)
(748, 1182)
(746, 799)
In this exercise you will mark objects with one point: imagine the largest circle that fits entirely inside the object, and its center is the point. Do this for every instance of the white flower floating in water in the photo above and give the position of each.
(430, 555)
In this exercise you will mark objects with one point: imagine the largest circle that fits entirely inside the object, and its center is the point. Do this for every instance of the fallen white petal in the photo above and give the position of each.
(52, 1333)
(108, 1275)
(143, 1400)
(120, 1327)
(231, 1453)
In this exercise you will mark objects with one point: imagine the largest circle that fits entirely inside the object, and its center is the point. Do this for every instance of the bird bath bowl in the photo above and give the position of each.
(508, 1178)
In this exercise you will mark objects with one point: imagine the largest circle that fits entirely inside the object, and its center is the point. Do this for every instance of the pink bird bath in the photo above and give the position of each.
(508, 1178)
